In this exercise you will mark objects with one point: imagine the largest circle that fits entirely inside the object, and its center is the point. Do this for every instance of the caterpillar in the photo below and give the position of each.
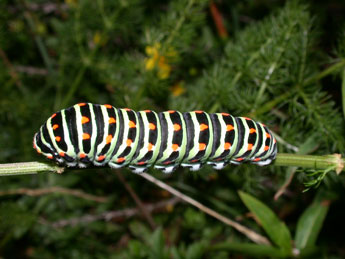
(101, 135)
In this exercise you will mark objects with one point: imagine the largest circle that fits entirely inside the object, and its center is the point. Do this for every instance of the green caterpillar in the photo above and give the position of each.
(102, 135)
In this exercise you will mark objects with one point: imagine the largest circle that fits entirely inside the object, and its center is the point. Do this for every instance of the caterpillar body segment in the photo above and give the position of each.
(102, 135)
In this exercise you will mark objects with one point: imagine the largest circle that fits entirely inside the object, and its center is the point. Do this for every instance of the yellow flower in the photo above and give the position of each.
(164, 68)
(177, 89)
(157, 60)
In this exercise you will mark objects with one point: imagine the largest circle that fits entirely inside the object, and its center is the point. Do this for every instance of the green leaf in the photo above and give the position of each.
(251, 249)
(140, 230)
(310, 223)
(195, 250)
(274, 227)
(157, 244)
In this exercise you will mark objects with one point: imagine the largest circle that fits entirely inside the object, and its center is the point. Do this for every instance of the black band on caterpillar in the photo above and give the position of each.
(103, 135)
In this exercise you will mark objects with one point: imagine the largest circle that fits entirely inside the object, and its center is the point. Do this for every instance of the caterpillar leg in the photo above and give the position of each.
(263, 162)
(193, 167)
(115, 165)
(138, 170)
(218, 165)
(166, 169)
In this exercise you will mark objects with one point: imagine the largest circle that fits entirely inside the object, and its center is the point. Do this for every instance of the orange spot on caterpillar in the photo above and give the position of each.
(152, 126)
(81, 104)
(240, 159)
(252, 130)
(108, 106)
(203, 127)
(147, 111)
(171, 111)
(202, 146)
(100, 158)
(250, 146)
(38, 151)
(174, 147)
(108, 139)
(266, 148)
(229, 127)
(227, 145)
(86, 136)
(129, 142)
(131, 124)
(49, 156)
(120, 159)
(141, 163)
(82, 155)
(177, 127)
(127, 109)
(111, 120)
(248, 119)
(268, 135)
(84, 120)
(149, 147)
(225, 114)
(58, 138)
(53, 116)
(198, 111)
(257, 159)
(62, 154)
(194, 161)
(55, 126)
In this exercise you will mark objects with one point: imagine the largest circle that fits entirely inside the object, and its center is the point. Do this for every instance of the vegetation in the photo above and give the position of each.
(282, 63)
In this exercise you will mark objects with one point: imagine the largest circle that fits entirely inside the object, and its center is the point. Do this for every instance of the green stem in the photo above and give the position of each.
(283, 159)
(28, 168)
(310, 161)
(250, 249)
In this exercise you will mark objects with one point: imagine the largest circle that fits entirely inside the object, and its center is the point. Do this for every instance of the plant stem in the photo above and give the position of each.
(310, 161)
(283, 159)
(252, 235)
(28, 168)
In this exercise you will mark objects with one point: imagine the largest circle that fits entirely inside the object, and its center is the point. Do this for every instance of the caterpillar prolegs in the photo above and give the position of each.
(102, 135)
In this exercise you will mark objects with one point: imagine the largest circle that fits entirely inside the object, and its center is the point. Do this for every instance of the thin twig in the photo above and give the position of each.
(252, 235)
(54, 189)
(137, 200)
(114, 215)
(286, 184)
(31, 70)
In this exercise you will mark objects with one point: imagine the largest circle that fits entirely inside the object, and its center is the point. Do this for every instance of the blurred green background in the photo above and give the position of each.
(279, 62)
